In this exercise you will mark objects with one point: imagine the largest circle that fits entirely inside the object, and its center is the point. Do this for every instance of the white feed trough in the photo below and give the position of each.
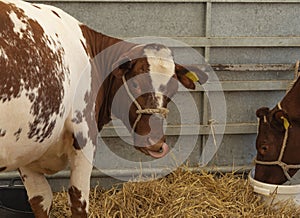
(275, 193)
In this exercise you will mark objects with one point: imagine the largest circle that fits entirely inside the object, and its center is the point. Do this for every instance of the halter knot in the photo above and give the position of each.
(162, 111)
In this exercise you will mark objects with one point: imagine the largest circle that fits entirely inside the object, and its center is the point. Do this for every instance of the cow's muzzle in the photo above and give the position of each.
(157, 149)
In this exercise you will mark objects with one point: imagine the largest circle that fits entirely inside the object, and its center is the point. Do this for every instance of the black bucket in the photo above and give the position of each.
(14, 202)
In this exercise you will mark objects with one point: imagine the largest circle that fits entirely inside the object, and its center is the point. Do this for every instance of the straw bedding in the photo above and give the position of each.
(180, 194)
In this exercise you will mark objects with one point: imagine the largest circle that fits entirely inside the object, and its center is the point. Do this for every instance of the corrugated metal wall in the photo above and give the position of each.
(251, 44)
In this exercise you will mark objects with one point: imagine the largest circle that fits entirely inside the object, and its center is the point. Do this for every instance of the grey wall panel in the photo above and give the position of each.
(140, 19)
(182, 110)
(254, 55)
(126, 151)
(235, 150)
(241, 106)
(252, 19)
(254, 76)
(183, 55)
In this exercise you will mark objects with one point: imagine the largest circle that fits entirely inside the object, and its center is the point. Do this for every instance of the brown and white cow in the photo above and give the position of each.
(277, 143)
(46, 56)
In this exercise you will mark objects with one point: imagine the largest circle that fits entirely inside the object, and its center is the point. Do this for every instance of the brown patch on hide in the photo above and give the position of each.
(37, 207)
(78, 117)
(38, 7)
(78, 207)
(30, 66)
(54, 12)
(17, 134)
(2, 132)
(79, 141)
(22, 176)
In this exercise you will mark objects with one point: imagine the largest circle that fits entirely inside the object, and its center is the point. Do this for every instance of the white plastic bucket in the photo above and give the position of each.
(275, 193)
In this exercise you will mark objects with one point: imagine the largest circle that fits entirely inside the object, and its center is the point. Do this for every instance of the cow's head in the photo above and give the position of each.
(273, 126)
(152, 79)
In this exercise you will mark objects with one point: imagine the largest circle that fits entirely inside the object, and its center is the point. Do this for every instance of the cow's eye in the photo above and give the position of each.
(135, 85)
(136, 89)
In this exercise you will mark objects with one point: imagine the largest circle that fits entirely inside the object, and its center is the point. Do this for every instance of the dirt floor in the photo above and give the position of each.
(181, 194)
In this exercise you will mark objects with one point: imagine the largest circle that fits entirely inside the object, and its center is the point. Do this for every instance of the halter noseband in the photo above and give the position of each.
(284, 166)
(140, 111)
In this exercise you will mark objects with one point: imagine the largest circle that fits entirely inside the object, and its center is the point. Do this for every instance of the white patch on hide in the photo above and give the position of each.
(162, 69)
(20, 25)
(265, 119)
(3, 54)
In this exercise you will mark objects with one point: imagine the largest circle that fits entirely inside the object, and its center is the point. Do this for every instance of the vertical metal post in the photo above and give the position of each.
(207, 56)
(205, 102)
(207, 28)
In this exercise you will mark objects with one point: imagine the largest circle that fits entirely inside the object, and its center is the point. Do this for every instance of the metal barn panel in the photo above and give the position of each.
(254, 75)
(139, 19)
(276, 55)
(126, 150)
(241, 106)
(183, 103)
(252, 19)
(235, 150)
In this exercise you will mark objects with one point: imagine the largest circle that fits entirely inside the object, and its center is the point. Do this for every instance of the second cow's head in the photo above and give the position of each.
(151, 76)
(277, 141)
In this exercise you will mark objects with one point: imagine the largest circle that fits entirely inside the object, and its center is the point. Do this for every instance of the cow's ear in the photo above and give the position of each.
(122, 66)
(282, 118)
(189, 74)
(126, 61)
(263, 111)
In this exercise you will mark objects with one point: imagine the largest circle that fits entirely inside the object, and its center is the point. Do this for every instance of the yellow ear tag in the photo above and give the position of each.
(286, 123)
(193, 76)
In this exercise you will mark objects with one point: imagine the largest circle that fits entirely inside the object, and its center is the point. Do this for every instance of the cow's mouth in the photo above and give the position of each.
(154, 150)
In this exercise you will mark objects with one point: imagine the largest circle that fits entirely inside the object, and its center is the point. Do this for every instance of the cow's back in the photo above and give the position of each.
(41, 61)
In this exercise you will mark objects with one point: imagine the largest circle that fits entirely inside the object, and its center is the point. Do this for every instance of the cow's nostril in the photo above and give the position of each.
(161, 150)
(264, 149)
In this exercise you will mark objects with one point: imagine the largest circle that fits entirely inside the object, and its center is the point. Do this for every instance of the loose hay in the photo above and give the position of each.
(180, 194)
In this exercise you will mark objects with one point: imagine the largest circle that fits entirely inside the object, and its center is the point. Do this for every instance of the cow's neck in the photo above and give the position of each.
(103, 50)
(104, 53)
(291, 102)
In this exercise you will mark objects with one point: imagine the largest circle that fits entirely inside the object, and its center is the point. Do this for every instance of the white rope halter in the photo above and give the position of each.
(284, 166)
(140, 111)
